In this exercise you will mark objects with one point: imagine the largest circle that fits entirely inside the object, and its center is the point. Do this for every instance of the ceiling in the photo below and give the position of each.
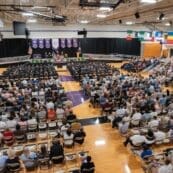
(75, 14)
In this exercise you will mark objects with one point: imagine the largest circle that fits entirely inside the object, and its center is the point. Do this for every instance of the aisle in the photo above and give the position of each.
(103, 143)
(81, 105)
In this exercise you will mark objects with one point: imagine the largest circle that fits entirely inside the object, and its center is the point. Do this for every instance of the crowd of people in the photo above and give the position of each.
(31, 70)
(34, 107)
(79, 69)
(137, 106)
(136, 65)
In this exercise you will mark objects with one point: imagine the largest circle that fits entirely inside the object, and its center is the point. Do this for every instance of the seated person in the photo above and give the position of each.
(150, 138)
(2, 126)
(20, 135)
(88, 166)
(51, 114)
(8, 137)
(43, 153)
(79, 136)
(123, 127)
(60, 112)
(11, 123)
(29, 159)
(56, 152)
(68, 138)
(43, 156)
(13, 162)
(166, 168)
(42, 114)
(153, 123)
(146, 152)
(71, 117)
(135, 140)
(159, 135)
(64, 127)
(3, 159)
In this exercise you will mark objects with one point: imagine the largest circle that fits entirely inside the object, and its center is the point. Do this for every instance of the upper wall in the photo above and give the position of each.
(70, 31)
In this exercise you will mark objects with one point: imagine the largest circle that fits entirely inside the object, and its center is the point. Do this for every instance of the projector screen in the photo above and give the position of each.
(19, 28)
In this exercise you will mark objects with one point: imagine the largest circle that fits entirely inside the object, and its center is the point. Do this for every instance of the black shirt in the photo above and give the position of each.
(85, 167)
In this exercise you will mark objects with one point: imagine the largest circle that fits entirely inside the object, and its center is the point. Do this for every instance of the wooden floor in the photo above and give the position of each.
(104, 144)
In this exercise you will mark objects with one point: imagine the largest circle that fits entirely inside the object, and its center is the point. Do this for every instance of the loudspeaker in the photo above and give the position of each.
(82, 32)
(137, 15)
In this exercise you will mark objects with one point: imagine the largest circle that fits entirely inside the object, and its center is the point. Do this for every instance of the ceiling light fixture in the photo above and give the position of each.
(27, 14)
(129, 23)
(101, 15)
(105, 9)
(167, 24)
(31, 20)
(84, 21)
(149, 1)
(38, 7)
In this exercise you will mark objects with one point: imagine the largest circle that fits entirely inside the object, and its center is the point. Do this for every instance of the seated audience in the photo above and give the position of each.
(29, 159)
(13, 162)
(8, 137)
(56, 152)
(88, 166)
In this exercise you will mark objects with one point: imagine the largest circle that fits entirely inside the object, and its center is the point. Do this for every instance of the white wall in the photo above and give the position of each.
(70, 31)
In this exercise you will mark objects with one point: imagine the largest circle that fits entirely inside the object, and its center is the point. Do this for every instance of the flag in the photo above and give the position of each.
(170, 38)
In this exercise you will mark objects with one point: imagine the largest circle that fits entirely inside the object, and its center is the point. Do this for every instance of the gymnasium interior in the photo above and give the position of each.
(86, 86)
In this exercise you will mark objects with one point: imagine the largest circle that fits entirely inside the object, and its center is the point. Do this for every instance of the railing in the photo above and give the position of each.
(11, 60)
(109, 57)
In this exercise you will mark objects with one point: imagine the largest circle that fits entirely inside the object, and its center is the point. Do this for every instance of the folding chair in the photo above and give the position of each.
(71, 160)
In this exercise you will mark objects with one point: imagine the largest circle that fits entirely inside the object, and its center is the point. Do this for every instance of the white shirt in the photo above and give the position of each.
(2, 125)
(137, 139)
(159, 135)
(166, 169)
(120, 112)
(153, 123)
(60, 113)
(68, 139)
(50, 105)
(137, 116)
(11, 124)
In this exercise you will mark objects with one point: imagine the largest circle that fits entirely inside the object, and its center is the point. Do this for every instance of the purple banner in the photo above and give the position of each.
(55, 44)
(41, 43)
(69, 44)
(34, 43)
(47, 43)
(62, 42)
(75, 42)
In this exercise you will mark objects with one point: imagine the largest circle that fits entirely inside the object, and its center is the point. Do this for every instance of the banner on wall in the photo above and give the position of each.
(55, 44)
(47, 43)
(41, 43)
(69, 44)
(75, 42)
(62, 41)
(34, 43)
